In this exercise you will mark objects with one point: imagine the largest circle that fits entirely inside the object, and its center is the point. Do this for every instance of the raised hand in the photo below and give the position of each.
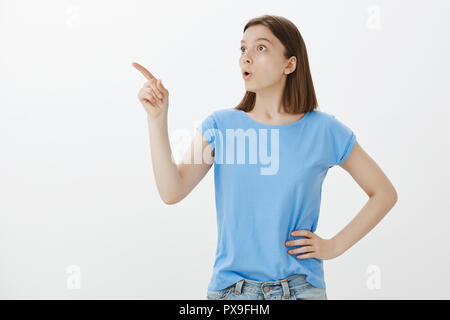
(153, 95)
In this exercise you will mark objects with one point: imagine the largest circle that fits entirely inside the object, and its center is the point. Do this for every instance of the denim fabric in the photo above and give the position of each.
(292, 288)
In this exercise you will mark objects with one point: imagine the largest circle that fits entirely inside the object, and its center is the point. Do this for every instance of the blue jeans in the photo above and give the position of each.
(292, 288)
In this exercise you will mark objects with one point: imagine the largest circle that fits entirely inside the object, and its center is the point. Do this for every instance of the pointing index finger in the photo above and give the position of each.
(143, 70)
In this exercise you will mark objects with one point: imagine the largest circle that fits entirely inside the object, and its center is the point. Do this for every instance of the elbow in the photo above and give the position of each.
(389, 196)
(168, 197)
(172, 199)
(172, 196)
(392, 196)
(395, 196)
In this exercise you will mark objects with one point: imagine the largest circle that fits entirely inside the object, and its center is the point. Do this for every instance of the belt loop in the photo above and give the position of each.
(286, 290)
(238, 288)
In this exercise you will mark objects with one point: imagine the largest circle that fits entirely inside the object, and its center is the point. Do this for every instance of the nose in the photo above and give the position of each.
(245, 58)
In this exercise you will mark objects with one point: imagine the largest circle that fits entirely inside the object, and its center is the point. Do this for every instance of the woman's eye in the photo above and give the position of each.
(258, 47)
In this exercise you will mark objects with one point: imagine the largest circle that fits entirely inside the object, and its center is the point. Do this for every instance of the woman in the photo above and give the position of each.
(268, 206)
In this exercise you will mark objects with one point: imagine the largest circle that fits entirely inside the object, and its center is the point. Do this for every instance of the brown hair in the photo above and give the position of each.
(299, 95)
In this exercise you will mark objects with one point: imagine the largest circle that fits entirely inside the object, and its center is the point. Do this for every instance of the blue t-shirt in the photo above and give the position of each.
(268, 183)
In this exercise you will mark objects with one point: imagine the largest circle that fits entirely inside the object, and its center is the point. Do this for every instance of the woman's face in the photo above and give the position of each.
(262, 56)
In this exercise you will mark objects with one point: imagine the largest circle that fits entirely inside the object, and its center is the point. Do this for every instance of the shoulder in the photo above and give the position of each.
(323, 116)
(322, 119)
(219, 118)
(326, 119)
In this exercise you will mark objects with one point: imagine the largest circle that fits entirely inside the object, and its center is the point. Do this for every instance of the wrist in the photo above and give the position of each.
(337, 248)
(158, 121)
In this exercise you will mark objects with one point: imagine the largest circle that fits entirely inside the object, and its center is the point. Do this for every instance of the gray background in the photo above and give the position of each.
(80, 215)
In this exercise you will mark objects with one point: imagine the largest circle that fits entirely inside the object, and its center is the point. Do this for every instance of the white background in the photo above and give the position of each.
(76, 181)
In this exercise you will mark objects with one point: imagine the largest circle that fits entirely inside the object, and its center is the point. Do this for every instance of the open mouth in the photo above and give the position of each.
(246, 75)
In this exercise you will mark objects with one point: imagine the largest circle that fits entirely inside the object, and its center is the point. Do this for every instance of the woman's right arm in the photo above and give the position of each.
(174, 181)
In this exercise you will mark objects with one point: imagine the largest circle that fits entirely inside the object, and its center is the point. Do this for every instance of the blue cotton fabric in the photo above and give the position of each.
(259, 203)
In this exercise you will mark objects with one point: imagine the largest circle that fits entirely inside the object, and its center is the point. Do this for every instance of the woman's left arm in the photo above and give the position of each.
(382, 197)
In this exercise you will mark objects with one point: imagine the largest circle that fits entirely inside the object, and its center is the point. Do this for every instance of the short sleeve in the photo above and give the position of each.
(208, 129)
(343, 140)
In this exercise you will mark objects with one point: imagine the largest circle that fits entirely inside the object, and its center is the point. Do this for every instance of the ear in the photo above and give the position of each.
(291, 66)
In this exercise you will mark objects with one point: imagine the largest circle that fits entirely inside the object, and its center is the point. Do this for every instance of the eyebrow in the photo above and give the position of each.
(260, 39)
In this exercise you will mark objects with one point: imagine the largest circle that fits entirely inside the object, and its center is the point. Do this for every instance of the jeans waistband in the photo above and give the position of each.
(276, 281)
(283, 282)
